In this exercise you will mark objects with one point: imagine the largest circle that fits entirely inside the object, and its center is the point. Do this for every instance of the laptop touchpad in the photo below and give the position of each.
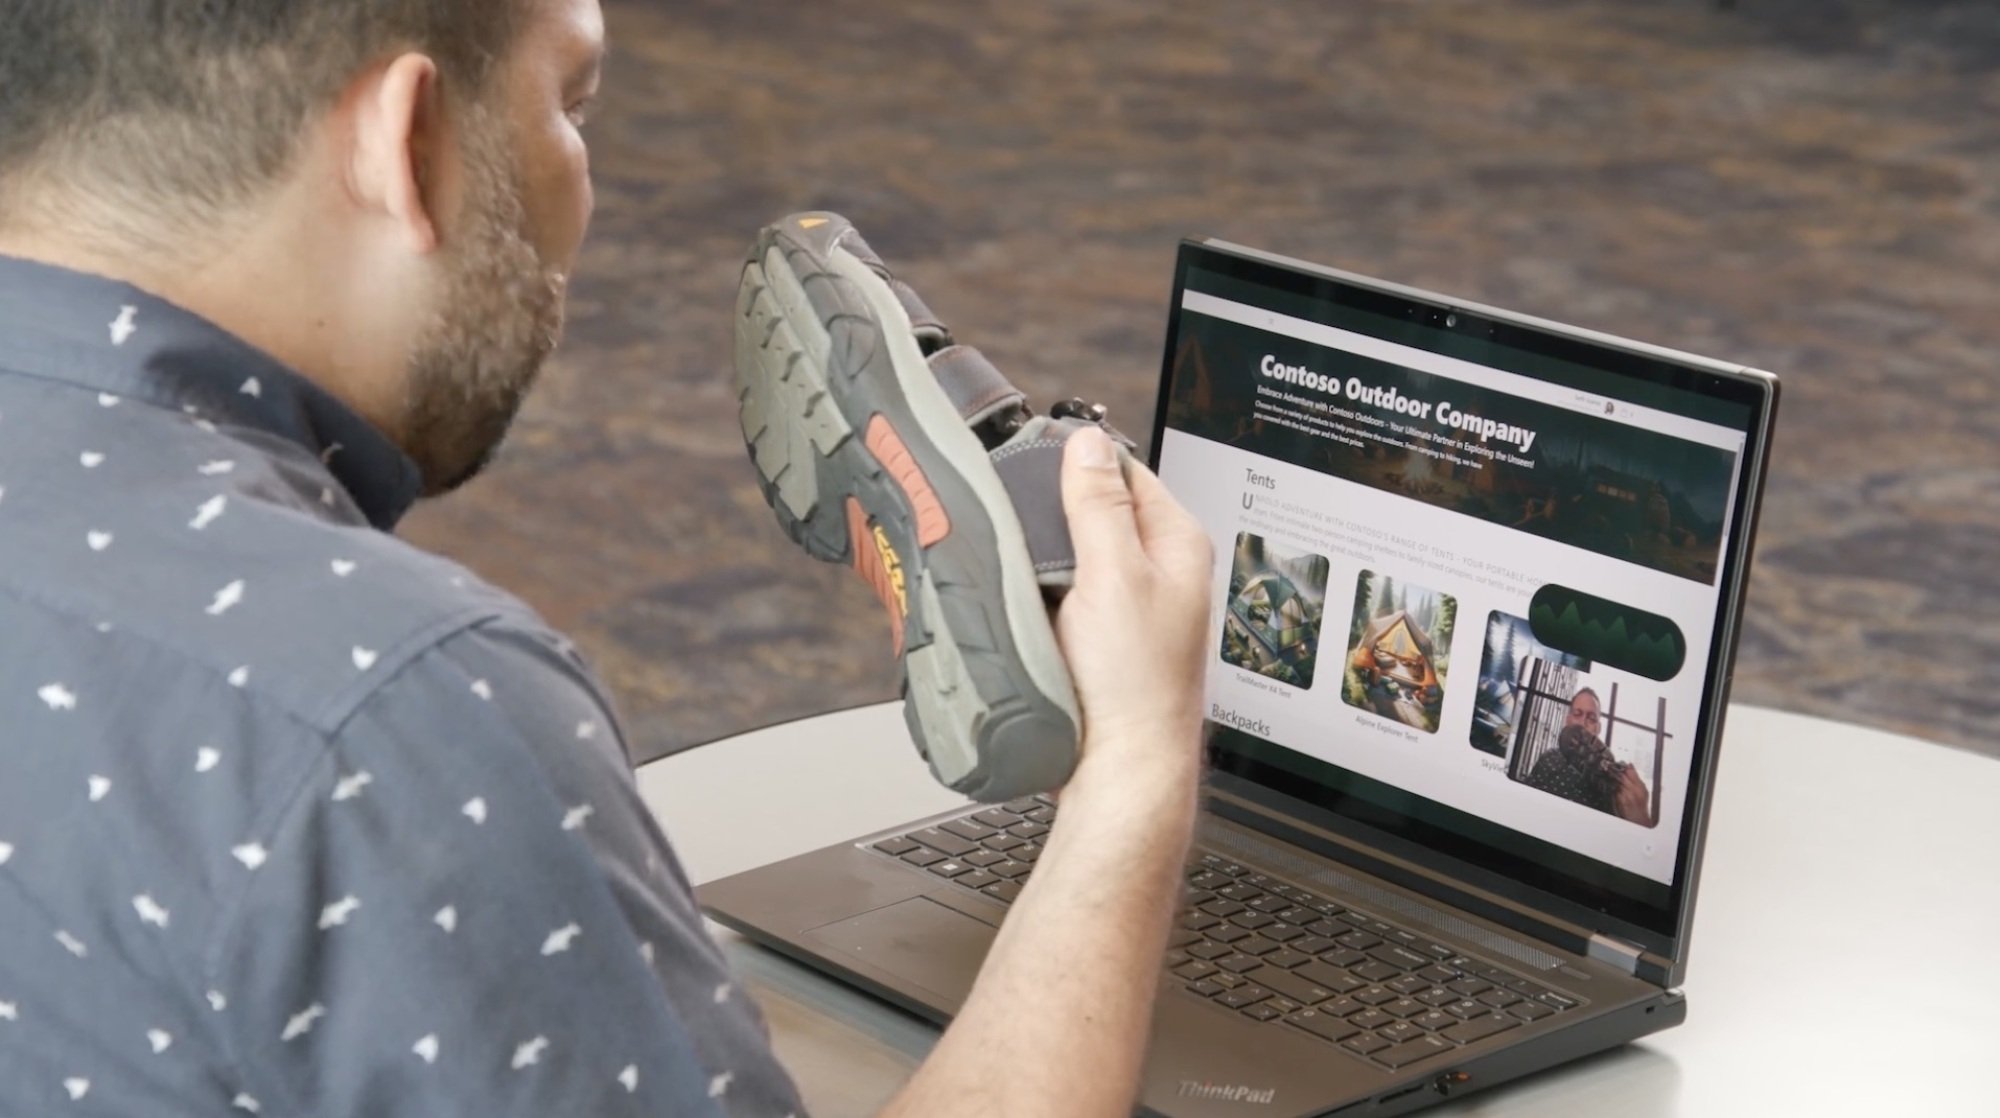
(918, 940)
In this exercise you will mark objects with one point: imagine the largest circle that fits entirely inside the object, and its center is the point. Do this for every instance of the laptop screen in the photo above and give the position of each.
(1471, 572)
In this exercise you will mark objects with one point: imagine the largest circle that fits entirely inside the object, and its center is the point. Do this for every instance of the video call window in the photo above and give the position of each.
(1573, 741)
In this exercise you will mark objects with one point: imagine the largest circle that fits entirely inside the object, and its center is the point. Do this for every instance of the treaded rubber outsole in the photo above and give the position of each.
(814, 370)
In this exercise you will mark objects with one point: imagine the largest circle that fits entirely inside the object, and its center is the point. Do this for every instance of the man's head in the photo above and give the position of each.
(1583, 713)
(389, 195)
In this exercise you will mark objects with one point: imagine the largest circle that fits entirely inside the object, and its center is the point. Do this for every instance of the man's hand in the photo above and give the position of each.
(1134, 626)
(1632, 802)
(1083, 941)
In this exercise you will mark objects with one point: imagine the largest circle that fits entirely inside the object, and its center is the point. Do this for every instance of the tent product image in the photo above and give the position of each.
(1395, 647)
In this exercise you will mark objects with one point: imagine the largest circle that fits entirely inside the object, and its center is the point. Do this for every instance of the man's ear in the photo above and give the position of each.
(397, 143)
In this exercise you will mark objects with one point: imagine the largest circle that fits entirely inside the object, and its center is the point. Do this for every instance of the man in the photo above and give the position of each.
(1581, 767)
(297, 820)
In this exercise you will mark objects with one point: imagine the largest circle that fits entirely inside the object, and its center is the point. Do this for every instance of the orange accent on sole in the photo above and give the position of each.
(933, 523)
(879, 566)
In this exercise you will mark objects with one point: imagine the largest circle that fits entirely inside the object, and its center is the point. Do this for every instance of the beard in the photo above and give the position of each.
(499, 316)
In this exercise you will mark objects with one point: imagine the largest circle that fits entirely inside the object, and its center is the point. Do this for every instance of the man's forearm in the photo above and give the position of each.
(1057, 1023)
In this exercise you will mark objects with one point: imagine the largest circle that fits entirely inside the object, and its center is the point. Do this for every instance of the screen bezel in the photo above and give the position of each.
(1513, 872)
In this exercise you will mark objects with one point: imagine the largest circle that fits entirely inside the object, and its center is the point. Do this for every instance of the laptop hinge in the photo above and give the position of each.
(1614, 952)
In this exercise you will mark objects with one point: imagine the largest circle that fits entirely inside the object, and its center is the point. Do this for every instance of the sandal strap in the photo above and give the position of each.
(924, 322)
(975, 387)
(1030, 465)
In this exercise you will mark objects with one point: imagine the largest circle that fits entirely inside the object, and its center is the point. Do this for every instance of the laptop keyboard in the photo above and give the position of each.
(1270, 950)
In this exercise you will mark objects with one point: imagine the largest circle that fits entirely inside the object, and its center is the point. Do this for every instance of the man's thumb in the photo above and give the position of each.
(1102, 525)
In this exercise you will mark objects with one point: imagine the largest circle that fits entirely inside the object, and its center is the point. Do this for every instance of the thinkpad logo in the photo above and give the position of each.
(1217, 1092)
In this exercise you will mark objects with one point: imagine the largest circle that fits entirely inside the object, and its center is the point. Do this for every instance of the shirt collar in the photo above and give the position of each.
(113, 338)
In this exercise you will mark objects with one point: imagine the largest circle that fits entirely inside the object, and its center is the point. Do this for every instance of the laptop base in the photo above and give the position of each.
(916, 941)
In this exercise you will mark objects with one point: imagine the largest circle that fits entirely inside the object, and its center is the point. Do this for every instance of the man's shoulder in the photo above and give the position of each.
(330, 613)
(350, 608)
(1548, 767)
(242, 581)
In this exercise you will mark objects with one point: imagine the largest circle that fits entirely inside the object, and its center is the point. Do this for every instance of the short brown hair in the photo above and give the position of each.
(171, 114)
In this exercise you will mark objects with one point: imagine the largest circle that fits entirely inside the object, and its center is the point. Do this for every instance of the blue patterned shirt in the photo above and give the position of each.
(296, 819)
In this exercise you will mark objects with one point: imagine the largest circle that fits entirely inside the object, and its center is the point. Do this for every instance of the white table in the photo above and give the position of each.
(1846, 951)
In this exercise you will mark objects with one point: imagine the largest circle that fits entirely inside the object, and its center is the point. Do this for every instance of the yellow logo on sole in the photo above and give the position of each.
(892, 565)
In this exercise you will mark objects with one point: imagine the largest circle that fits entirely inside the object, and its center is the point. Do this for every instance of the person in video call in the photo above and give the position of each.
(296, 819)
(1581, 767)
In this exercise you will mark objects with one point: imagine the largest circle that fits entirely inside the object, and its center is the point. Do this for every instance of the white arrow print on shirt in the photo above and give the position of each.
(336, 914)
(719, 1086)
(245, 1102)
(206, 758)
(560, 939)
(77, 1087)
(530, 1053)
(6, 852)
(446, 918)
(251, 855)
(216, 1001)
(160, 1039)
(301, 1022)
(100, 787)
(207, 513)
(240, 676)
(226, 599)
(482, 689)
(216, 468)
(629, 1078)
(98, 541)
(149, 911)
(72, 944)
(343, 567)
(91, 459)
(586, 730)
(121, 327)
(646, 951)
(251, 387)
(722, 993)
(106, 400)
(9, 1011)
(58, 697)
(475, 809)
(348, 787)
(574, 817)
(426, 1048)
(364, 658)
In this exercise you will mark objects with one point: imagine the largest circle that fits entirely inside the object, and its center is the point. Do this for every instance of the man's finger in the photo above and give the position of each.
(1102, 526)
(1160, 515)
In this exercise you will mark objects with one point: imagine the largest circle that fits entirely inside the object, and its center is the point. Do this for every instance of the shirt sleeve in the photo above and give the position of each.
(468, 910)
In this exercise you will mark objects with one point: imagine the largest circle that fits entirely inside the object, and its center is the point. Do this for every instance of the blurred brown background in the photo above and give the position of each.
(1812, 186)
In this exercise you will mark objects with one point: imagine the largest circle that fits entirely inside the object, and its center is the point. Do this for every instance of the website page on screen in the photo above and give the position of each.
(1486, 589)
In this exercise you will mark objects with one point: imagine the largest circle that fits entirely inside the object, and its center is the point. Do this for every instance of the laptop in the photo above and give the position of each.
(1476, 602)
